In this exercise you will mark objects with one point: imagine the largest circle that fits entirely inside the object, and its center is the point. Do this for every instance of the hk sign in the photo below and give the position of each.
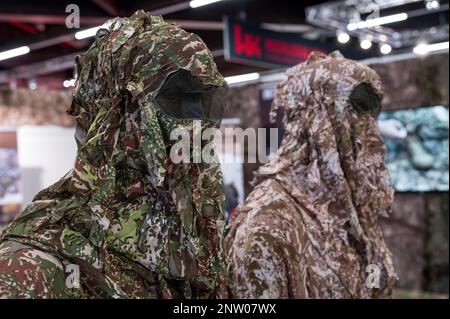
(250, 44)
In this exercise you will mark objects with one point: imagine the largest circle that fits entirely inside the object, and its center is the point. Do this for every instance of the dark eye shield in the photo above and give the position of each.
(365, 100)
(183, 96)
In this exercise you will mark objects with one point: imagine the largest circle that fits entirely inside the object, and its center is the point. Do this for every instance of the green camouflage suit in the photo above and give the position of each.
(310, 228)
(135, 224)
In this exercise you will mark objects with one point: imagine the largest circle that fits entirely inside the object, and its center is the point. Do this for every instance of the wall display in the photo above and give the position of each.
(417, 142)
(10, 187)
(417, 148)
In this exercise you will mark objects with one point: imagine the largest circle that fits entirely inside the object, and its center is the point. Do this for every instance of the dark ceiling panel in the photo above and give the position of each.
(256, 11)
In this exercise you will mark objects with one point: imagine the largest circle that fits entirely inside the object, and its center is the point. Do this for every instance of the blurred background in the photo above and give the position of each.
(253, 43)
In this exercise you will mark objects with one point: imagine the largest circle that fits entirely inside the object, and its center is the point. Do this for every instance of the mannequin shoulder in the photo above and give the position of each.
(267, 212)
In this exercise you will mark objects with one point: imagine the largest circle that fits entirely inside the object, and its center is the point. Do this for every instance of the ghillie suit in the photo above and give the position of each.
(126, 218)
(310, 228)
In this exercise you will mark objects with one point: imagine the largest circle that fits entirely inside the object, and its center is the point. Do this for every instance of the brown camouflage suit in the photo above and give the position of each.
(310, 227)
(135, 224)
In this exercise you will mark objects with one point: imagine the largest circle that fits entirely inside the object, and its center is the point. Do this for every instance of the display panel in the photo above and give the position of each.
(417, 148)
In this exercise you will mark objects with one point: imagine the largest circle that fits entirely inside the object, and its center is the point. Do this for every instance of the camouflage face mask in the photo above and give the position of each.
(141, 78)
(185, 97)
(364, 99)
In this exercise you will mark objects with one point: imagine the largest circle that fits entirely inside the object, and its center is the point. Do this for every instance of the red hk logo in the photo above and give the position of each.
(247, 44)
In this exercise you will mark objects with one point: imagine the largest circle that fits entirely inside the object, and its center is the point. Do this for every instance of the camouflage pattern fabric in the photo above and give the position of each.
(309, 229)
(136, 224)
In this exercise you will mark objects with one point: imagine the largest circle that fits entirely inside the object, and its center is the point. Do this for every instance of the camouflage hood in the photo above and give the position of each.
(331, 160)
(124, 196)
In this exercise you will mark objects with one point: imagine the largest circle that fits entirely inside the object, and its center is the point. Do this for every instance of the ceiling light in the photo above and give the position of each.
(424, 48)
(32, 84)
(242, 78)
(365, 44)
(420, 49)
(8, 54)
(199, 3)
(86, 33)
(343, 37)
(69, 83)
(377, 21)
(385, 48)
(92, 31)
(432, 4)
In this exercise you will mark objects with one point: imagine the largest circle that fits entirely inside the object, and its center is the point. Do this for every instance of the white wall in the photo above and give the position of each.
(46, 153)
(233, 173)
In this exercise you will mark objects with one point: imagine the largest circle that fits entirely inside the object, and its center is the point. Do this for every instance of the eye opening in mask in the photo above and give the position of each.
(184, 96)
(364, 99)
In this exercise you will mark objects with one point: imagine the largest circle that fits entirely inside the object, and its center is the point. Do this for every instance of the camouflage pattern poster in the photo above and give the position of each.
(10, 192)
(417, 148)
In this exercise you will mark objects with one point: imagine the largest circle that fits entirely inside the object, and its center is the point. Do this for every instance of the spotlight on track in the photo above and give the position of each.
(343, 37)
(69, 83)
(365, 44)
(432, 4)
(385, 48)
